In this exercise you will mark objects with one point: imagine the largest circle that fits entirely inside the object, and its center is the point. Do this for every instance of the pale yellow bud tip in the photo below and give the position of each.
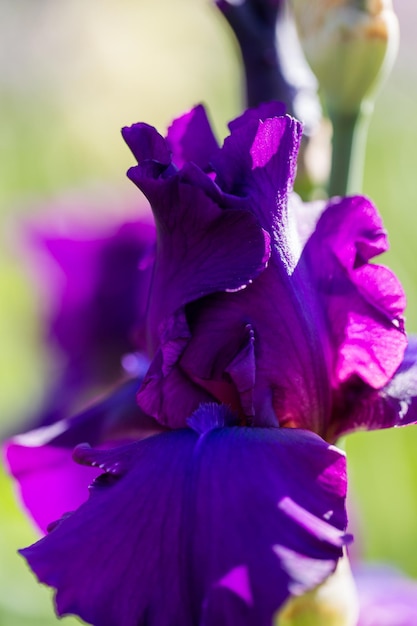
(351, 46)
(333, 603)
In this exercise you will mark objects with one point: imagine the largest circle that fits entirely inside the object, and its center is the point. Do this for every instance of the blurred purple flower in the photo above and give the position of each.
(104, 296)
(386, 597)
(95, 282)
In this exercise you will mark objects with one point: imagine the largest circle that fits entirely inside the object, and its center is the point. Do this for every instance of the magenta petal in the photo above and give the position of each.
(205, 539)
(191, 139)
(363, 302)
(359, 406)
(50, 483)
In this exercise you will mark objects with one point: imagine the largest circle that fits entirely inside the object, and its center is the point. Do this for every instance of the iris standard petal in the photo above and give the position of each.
(200, 235)
(200, 248)
(215, 527)
(199, 242)
(258, 162)
(191, 139)
(146, 144)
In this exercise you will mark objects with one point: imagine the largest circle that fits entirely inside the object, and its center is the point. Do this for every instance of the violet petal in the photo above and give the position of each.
(363, 302)
(359, 406)
(220, 528)
(190, 138)
(199, 243)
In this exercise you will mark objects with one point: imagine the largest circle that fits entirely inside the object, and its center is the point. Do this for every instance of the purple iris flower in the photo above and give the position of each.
(259, 301)
(263, 313)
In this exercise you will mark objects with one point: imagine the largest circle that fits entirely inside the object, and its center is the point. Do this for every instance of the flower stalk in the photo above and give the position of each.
(350, 131)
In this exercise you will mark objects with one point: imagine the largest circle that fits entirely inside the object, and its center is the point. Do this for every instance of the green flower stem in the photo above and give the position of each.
(348, 153)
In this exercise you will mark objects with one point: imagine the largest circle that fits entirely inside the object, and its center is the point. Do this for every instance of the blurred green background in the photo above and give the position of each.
(71, 74)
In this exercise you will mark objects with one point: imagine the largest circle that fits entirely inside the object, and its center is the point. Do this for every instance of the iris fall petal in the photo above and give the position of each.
(215, 527)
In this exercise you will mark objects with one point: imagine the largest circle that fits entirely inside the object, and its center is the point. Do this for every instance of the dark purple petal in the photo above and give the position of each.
(386, 597)
(191, 139)
(262, 112)
(50, 483)
(210, 528)
(205, 258)
(258, 162)
(168, 394)
(202, 252)
(199, 243)
(280, 375)
(146, 144)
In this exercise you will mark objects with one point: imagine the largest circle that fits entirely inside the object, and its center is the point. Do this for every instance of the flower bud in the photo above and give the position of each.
(333, 603)
(351, 46)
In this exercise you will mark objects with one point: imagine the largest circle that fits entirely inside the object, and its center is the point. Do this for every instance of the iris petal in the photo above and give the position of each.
(191, 139)
(41, 462)
(199, 243)
(359, 406)
(183, 527)
(363, 302)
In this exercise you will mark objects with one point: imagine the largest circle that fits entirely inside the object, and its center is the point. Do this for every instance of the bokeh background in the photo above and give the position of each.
(71, 74)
